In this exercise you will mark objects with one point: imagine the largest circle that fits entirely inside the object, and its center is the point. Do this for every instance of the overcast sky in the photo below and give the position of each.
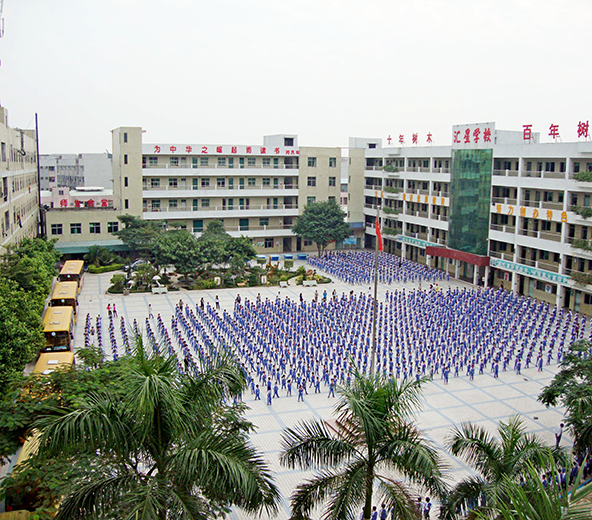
(231, 71)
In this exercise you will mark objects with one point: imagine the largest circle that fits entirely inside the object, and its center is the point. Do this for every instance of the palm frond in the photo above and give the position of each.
(408, 453)
(344, 503)
(315, 491)
(395, 495)
(226, 469)
(97, 424)
(465, 495)
(90, 499)
(312, 443)
(476, 446)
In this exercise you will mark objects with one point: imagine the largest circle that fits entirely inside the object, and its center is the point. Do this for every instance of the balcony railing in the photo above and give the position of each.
(237, 207)
(216, 166)
(215, 187)
(504, 200)
(503, 228)
(506, 173)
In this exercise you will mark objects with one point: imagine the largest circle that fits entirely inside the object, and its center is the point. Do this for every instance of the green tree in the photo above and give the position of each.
(99, 255)
(494, 460)
(372, 443)
(138, 234)
(322, 222)
(572, 387)
(21, 335)
(179, 248)
(530, 499)
(165, 447)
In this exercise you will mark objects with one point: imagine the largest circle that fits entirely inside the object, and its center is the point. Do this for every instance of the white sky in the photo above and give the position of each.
(231, 71)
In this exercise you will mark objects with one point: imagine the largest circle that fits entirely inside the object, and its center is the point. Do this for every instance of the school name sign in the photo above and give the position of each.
(541, 274)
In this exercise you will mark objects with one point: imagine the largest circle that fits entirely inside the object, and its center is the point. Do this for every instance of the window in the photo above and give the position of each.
(251, 182)
(205, 182)
(312, 181)
(125, 137)
(230, 183)
(288, 141)
(331, 198)
(371, 145)
(203, 161)
(311, 200)
(243, 224)
(197, 226)
(56, 229)
(126, 203)
(268, 243)
(221, 161)
(173, 182)
(332, 162)
(125, 159)
(241, 183)
(155, 183)
(95, 228)
(126, 182)
(76, 229)
(312, 162)
(174, 161)
(173, 204)
(266, 182)
(221, 182)
(251, 161)
(112, 227)
(205, 203)
(332, 181)
(263, 222)
(156, 205)
(307, 242)
(152, 161)
(194, 203)
(266, 162)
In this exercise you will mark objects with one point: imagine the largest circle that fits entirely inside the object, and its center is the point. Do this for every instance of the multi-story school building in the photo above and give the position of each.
(256, 190)
(495, 208)
(19, 202)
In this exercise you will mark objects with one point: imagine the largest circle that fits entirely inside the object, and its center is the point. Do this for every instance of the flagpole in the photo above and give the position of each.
(375, 303)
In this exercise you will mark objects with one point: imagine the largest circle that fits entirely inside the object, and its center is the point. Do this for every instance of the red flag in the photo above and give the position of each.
(378, 235)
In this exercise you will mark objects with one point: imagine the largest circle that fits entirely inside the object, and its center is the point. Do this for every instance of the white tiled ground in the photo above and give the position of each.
(485, 400)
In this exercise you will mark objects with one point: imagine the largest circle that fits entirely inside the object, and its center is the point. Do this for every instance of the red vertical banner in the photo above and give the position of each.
(378, 234)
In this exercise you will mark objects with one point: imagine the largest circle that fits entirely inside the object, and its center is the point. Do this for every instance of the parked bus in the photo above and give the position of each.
(58, 328)
(73, 271)
(49, 361)
(65, 294)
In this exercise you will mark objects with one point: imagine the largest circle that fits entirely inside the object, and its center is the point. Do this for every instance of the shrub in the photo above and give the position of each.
(94, 269)
(288, 264)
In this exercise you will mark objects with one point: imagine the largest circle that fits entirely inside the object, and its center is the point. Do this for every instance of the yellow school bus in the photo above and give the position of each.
(73, 271)
(65, 294)
(49, 361)
(58, 328)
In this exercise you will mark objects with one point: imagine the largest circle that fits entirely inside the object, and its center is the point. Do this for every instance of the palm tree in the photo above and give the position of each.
(166, 445)
(372, 442)
(534, 500)
(494, 460)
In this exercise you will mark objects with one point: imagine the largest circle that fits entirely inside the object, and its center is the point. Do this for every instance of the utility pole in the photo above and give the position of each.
(41, 208)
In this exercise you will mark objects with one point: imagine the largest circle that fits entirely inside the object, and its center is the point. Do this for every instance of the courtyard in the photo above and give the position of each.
(485, 400)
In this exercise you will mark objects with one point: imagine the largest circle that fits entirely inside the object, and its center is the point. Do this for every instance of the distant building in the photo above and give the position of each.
(75, 170)
(19, 205)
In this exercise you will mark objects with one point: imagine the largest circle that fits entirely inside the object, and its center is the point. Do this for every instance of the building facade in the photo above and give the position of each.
(76, 170)
(256, 190)
(19, 194)
(501, 210)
